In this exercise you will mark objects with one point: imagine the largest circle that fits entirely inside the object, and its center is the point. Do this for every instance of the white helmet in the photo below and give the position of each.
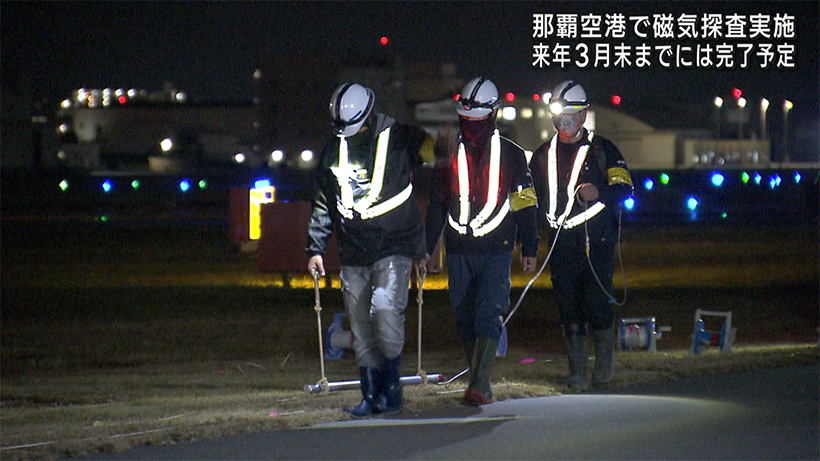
(568, 98)
(350, 105)
(478, 98)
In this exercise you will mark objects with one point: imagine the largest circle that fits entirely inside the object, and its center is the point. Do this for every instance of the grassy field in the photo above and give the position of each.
(115, 337)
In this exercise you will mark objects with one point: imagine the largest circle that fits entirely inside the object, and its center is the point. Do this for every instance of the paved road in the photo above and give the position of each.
(761, 414)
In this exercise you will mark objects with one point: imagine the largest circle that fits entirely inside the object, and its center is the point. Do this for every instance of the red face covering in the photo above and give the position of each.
(477, 132)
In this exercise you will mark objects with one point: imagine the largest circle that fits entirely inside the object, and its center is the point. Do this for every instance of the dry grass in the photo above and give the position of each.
(118, 338)
(50, 416)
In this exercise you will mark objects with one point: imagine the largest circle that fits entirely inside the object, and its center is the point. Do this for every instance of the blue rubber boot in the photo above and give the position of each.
(393, 398)
(371, 390)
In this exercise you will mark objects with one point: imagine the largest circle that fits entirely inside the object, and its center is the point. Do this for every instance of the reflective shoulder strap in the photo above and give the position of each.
(377, 179)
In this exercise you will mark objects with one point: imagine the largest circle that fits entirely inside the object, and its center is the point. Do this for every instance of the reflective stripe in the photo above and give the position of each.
(486, 228)
(342, 173)
(490, 226)
(552, 160)
(580, 218)
(463, 186)
(377, 180)
(389, 204)
(364, 206)
(477, 224)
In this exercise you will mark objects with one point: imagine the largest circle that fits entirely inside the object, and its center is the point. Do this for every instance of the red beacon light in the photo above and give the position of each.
(737, 93)
(384, 41)
(616, 100)
(510, 97)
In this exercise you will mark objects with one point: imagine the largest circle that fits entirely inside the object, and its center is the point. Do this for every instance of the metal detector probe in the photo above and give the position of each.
(324, 387)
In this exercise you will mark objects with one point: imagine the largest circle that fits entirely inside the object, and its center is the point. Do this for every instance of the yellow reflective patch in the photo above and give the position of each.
(427, 151)
(618, 176)
(523, 199)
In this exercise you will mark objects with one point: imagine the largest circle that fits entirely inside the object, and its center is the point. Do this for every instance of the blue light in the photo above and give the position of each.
(648, 184)
(107, 186)
(774, 181)
(261, 183)
(629, 203)
(797, 177)
(758, 178)
(717, 179)
(692, 203)
(184, 185)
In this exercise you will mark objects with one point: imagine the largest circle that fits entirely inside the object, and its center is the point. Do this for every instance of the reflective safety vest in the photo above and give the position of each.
(365, 206)
(481, 224)
(552, 170)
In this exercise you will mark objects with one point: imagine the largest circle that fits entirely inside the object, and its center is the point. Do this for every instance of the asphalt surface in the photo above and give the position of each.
(759, 414)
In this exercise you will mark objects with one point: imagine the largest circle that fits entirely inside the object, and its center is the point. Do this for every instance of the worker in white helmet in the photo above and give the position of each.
(482, 196)
(581, 179)
(364, 192)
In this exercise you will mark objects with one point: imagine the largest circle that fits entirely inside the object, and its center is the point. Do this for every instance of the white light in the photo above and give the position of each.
(546, 97)
(65, 104)
(556, 108)
(741, 103)
(306, 155)
(61, 155)
(508, 113)
(526, 112)
(239, 158)
(166, 144)
(181, 97)
(132, 93)
(277, 155)
(63, 128)
(718, 102)
(764, 104)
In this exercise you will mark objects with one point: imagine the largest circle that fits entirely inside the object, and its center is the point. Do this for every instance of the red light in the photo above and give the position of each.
(457, 96)
(616, 100)
(510, 97)
(384, 41)
(737, 93)
(536, 97)
(122, 100)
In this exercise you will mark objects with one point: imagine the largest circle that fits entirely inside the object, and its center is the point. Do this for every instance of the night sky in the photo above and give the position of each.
(210, 49)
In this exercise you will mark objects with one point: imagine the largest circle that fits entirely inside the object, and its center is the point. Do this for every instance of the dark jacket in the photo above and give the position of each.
(362, 242)
(514, 178)
(604, 167)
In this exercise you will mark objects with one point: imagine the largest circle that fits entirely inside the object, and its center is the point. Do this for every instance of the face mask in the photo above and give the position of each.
(476, 131)
(568, 125)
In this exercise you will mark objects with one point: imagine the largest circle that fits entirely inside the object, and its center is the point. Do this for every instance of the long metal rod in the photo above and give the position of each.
(320, 387)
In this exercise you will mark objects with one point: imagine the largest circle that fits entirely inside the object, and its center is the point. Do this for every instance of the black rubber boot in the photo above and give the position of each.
(393, 397)
(371, 390)
(604, 369)
(480, 390)
(578, 357)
